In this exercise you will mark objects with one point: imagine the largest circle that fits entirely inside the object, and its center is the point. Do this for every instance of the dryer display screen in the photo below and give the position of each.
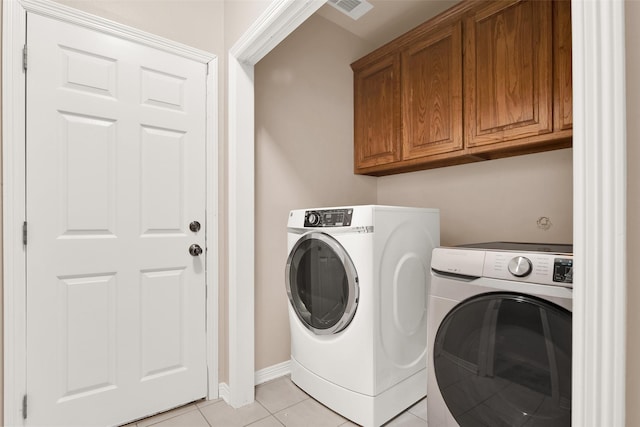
(328, 218)
(563, 270)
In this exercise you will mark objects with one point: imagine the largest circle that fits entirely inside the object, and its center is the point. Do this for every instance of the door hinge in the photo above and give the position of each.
(24, 233)
(24, 58)
(24, 407)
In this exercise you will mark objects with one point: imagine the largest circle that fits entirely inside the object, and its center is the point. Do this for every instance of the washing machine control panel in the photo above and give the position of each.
(542, 268)
(328, 218)
(563, 270)
(521, 266)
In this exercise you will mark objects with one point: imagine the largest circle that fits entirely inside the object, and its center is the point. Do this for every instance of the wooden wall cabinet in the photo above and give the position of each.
(508, 72)
(563, 82)
(426, 66)
(481, 81)
(431, 93)
(377, 120)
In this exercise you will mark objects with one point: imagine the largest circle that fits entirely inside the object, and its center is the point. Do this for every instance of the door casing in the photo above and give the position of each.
(14, 194)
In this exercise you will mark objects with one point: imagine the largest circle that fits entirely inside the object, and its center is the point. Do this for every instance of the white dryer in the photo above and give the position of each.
(357, 279)
(499, 351)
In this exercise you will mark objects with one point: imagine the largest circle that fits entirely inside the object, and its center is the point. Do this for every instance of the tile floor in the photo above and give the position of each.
(278, 403)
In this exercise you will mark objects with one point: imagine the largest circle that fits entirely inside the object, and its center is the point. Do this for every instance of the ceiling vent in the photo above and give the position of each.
(352, 8)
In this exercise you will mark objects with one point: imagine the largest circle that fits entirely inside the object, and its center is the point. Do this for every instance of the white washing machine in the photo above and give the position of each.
(357, 280)
(499, 340)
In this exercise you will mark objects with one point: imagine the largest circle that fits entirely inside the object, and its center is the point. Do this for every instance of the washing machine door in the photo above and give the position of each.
(504, 359)
(322, 283)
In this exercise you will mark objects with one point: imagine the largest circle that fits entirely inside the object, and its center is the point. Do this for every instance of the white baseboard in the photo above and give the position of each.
(261, 376)
(223, 391)
(273, 372)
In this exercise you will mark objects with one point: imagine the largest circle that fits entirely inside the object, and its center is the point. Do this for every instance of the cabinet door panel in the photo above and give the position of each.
(563, 89)
(377, 113)
(432, 94)
(508, 69)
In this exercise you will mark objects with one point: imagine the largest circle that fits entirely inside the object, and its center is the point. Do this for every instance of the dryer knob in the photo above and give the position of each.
(520, 266)
(313, 218)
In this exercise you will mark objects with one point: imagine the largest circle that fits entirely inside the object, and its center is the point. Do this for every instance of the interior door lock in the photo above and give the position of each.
(194, 226)
(195, 250)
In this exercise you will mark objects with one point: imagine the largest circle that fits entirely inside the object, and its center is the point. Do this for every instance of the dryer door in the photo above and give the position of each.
(322, 283)
(504, 359)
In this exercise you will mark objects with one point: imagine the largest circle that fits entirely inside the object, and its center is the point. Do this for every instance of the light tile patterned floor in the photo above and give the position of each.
(278, 403)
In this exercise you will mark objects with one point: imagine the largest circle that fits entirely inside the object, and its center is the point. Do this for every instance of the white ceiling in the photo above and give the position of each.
(388, 19)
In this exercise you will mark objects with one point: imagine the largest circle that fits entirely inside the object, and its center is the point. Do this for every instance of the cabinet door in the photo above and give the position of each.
(432, 94)
(508, 72)
(563, 83)
(377, 113)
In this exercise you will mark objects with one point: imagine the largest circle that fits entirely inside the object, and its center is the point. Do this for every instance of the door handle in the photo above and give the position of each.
(195, 250)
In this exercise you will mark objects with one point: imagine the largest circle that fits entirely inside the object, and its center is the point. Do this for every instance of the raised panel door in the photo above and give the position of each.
(115, 162)
(508, 72)
(377, 120)
(563, 82)
(432, 94)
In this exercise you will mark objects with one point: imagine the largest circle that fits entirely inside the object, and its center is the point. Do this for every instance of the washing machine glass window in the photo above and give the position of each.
(322, 283)
(504, 359)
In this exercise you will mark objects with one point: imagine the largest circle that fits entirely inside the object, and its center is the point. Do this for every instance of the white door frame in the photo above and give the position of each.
(599, 213)
(279, 20)
(13, 169)
(599, 141)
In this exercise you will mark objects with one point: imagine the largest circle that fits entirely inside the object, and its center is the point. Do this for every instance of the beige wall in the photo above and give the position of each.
(493, 200)
(632, 11)
(195, 23)
(239, 15)
(304, 157)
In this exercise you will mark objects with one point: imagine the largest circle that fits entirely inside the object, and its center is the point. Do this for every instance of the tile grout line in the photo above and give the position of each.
(263, 418)
(203, 416)
(290, 406)
(271, 414)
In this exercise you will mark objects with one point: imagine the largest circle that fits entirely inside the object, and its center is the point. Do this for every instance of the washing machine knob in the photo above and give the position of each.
(520, 266)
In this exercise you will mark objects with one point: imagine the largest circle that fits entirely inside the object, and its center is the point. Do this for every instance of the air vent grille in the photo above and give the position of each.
(352, 8)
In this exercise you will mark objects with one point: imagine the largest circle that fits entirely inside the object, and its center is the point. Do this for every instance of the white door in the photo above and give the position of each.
(115, 175)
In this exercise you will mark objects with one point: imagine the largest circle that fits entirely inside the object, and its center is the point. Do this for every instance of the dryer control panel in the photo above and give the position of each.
(328, 218)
